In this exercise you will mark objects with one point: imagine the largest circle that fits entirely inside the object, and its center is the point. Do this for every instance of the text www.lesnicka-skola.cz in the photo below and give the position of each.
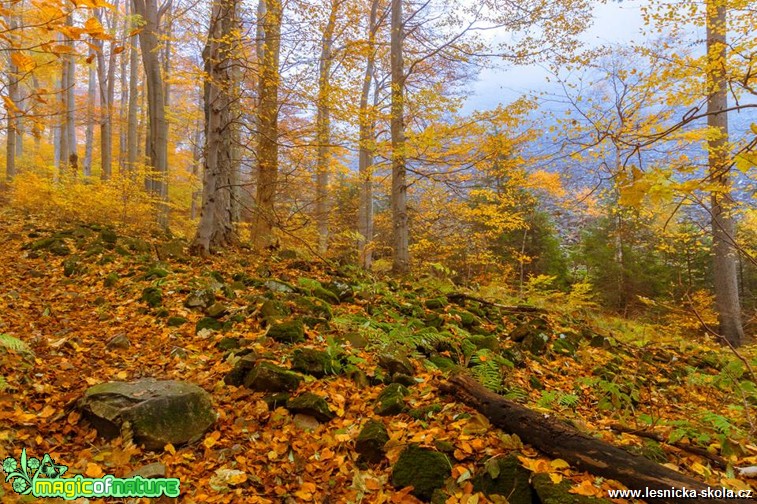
(681, 493)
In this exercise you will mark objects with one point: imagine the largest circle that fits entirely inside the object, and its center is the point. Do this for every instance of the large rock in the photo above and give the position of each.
(292, 331)
(506, 477)
(312, 405)
(159, 412)
(391, 400)
(423, 469)
(200, 299)
(370, 442)
(267, 377)
(311, 361)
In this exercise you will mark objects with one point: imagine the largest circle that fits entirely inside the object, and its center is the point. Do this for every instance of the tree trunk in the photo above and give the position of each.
(367, 119)
(124, 100)
(323, 130)
(106, 77)
(216, 227)
(132, 133)
(158, 126)
(725, 255)
(268, 145)
(401, 263)
(70, 62)
(10, 131)
(560, 440)
(89, 134)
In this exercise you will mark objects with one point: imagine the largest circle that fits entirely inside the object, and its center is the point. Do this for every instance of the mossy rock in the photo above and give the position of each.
(176, 321)
(216, 310)
(109, 237)
(425, 412)
(272, 310)
(506, 477)
(153, 296)
(244, 279)
(208, 323)
(467, 319)
(159, 412)
(111, 279)
(370, 442)
(436, 303)
(313, 362)
(536, 343)
(137, 245)
(514, 355)
(311, 404)
(292, 331)
(423, 469)
(391, 400)
(72, 267)
(565, 344)
(173, 249)
(531, 327)
(274, 401)
(550, 493)
(314, 306)
(280, 286)
(394, 362)
(241, 369)
(54, 244)
(228, 343)
(342, 290)
(433, 319)
(267, 377)
(200, 299)
(487, 342)
(325, 295)
(354, 338)
(155, 272)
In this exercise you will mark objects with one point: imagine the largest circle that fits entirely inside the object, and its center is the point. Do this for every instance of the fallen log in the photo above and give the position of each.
(558, 439)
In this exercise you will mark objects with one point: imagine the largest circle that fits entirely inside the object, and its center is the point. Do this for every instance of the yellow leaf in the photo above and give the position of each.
(47, 412)
(23, 62)
(556, 478)
(170, 449)
(753, 127)
(559, 464)
(93, 470)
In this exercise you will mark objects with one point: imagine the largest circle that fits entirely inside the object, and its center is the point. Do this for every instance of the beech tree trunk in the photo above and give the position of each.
(157, 139)
(89, 133)
(400, 229)
(106, 77)
(268, 145)
(10, 130)
(216, 227)
(560, 440)
(70, 85)
(724, 254)
(132, 133)
(367, 119)
(323, 130)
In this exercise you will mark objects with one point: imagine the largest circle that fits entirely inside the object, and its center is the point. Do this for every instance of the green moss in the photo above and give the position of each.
(550, 493)
(267, 377)
(311, 404)
(423, 469)
(506, 477)
(111, 279)
(436, 303)
(391, 401)
(292, 331)
(208, 323)
(313, 362)
(370, 442)
(488, 342)
(176, 321)
(153, 296)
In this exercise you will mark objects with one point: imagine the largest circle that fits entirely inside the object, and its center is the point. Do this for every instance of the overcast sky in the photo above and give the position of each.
(614, 22)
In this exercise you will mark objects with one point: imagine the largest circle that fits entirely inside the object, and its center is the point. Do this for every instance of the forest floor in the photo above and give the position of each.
(69, 297)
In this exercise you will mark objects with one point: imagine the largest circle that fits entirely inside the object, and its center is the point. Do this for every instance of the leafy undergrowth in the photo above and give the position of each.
(67, 293)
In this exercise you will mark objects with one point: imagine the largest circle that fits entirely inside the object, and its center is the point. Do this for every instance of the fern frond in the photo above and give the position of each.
(12, 343)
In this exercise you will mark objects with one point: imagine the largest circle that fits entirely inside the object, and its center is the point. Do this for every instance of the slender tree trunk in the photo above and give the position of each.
(10, 131)
(132, 133)
(323, 130)
(268, 146)
(401, 264)
(73, 154)
(216, 227)
(89, 134)
(124, 99)
(725, 255)
(367, 118)
(158, 126)
(197, 153)
(106, 78)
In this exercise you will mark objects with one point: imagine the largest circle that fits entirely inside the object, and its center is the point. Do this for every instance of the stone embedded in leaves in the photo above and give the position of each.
(159, 412)
(551, 493)
(311, 404)
(488, 342)
(176, 321)
(371, 440)
(72, 266)
(394, 362)
(108, 236)
(153, 296)
(208, 323)
(217, 310)
(391, 400)
(423, 469)
(310, 361)
(242, 367)
(436, 303)
(111, 279)
(173, 249)
(504, 476)
(267, 377)
(201, 299)
(292, 331)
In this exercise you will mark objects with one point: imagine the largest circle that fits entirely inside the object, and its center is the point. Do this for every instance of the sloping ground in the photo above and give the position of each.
(94, 306)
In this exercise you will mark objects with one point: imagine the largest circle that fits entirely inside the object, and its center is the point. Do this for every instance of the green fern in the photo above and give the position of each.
(488, 368)
(14, 344)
